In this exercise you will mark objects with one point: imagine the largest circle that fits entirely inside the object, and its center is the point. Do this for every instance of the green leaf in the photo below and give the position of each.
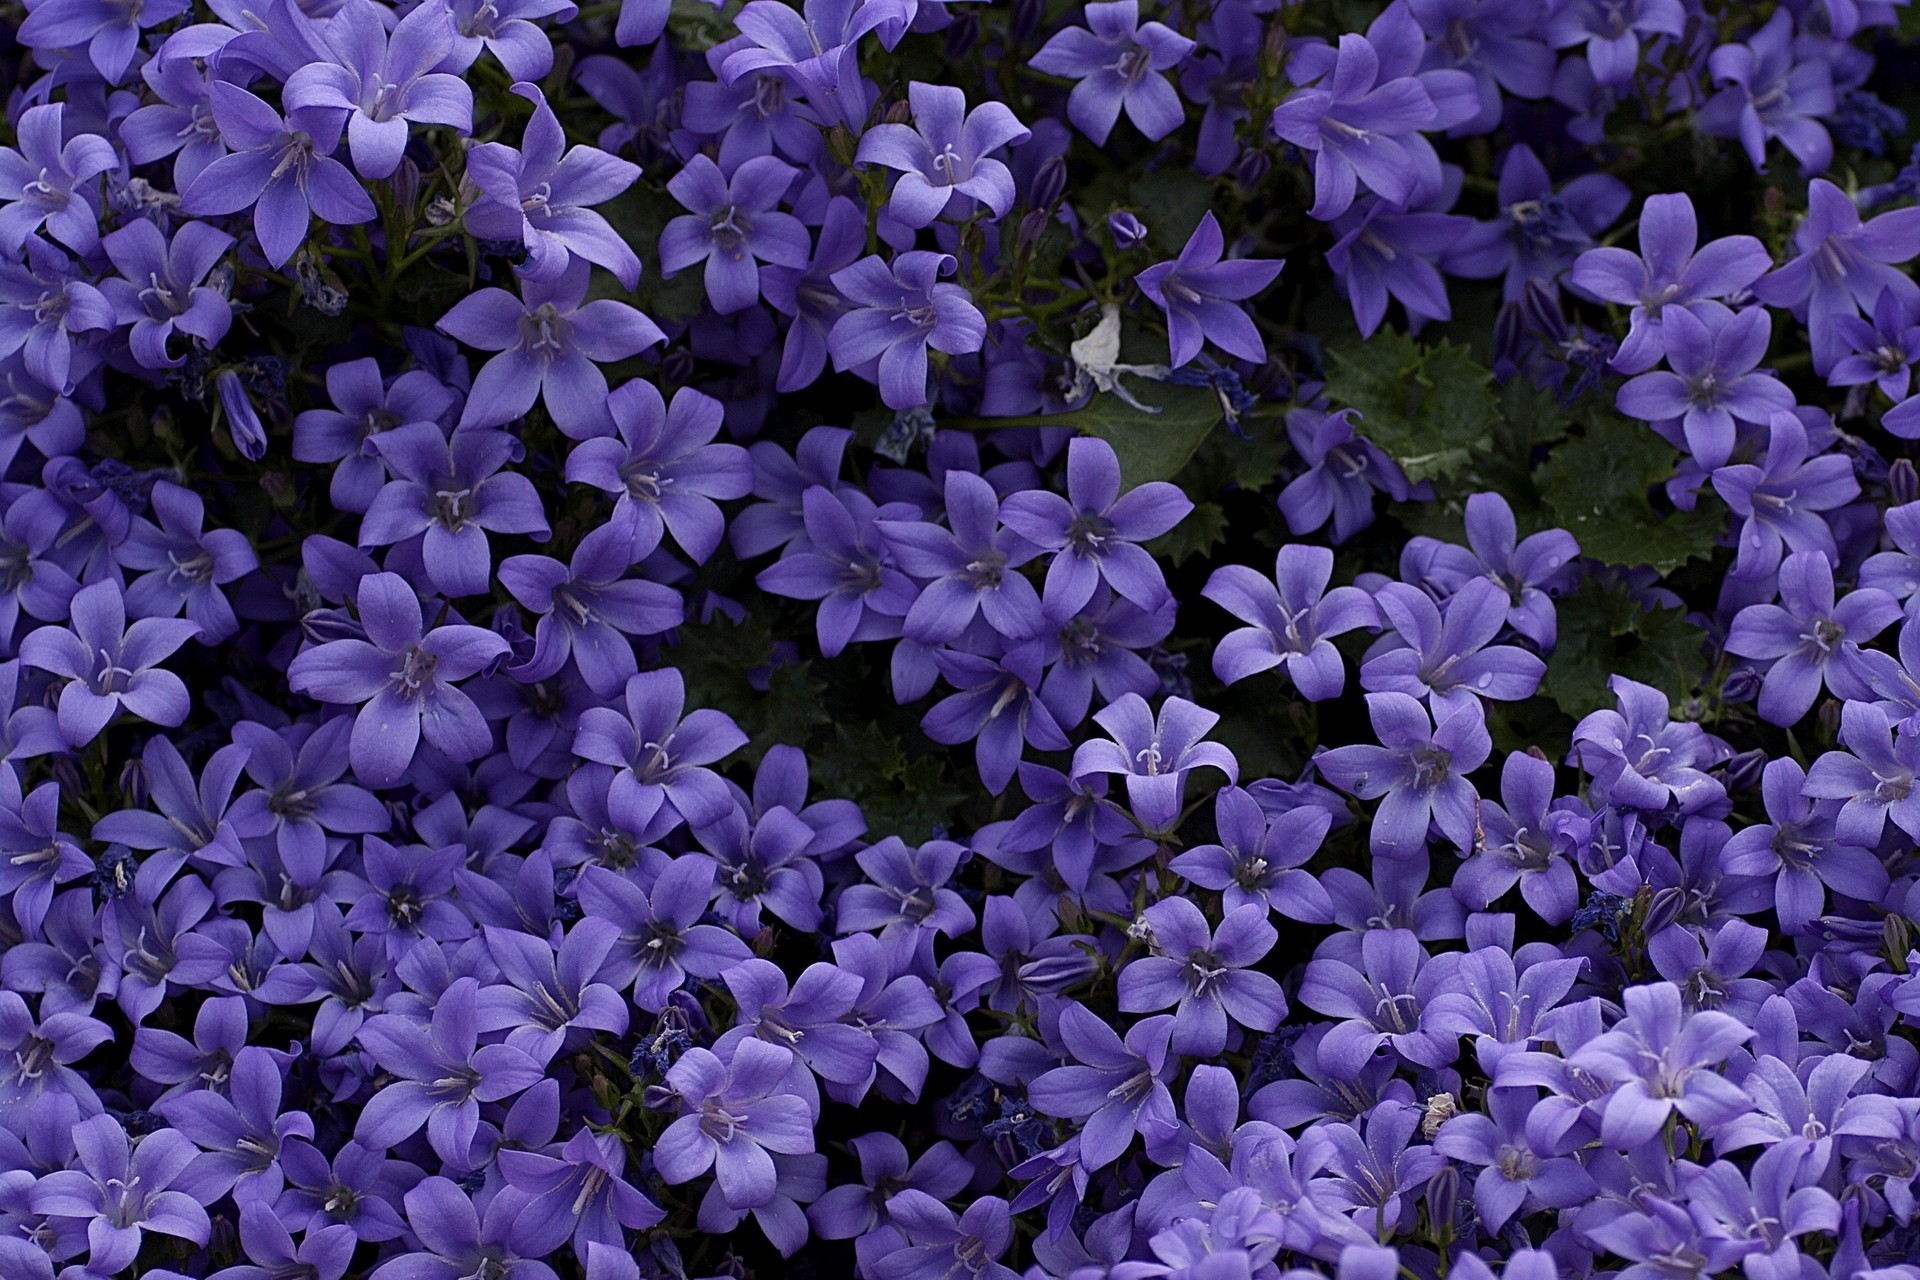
(717, 659)
(1428, 408)
(1598, 486)
(1151, 446)
(1197, 535)
(1603, 631)
(901, 795)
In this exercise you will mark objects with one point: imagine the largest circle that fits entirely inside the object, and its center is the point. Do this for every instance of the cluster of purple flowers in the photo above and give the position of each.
(415, 411)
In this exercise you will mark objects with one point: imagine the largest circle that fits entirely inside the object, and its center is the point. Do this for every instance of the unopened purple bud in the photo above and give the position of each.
(1049, 182)
(1903, 483)
(1743, 771)
(1443, 1200)
(66, 771)
(900, 113)
(676, 366)
(1741, 685)
(1025, 20)
(1033, 225)
(1896, 934)
(133, 783)
(323, 625)
(1663, 910)
(406, 183)
(1826, 718)
(1128, 231)
(1252, 170)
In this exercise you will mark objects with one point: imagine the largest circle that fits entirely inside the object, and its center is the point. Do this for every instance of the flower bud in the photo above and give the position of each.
(900, 113)
(1127, 230)
(1049, 182)
(1443, 1200)
(1253, 167)
(963, 34)
(1743, 771)
(676, 366)
(133, 783)
(1033, 225)
(1741, 685)
(1025, 20)
(406, 183)
(1827, 719)
(1903, 483)
(1896, 934)
(1663, 910)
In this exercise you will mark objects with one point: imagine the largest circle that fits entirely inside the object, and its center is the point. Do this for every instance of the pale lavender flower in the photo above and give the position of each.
(944, 158)
(110, 666)
(1117, 62)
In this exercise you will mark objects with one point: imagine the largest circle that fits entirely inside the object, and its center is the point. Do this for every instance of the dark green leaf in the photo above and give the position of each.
(717, 659)
(1151, 446)
(1603, 631)
(1598, 486)
(1197, 535)
(1429, 408)
(901, 795)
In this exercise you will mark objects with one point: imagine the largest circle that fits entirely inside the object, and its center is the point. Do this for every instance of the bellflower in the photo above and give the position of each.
(1447, 658)
(1770, 90)
(1883, 353)
(1201, 295)
(944, 159)
(122, 1191)
(1115, 1088)
(733, 225)
(658, 752)
(162, 289)
(1291, 618)
(1784, 499)
(898, 310)
(587, 609)
(1611, 33)
(1539, 231)
(1417, 773)
(734, 1114)
(1117, 62)
(1810, 639)
(1206, 973)
(1842, 266)
(109, 665)
(1343, 472)
(845, 565)
(1874, 775)
(970, 567)
(1154, 753)
(1642, 758)
(1713, 354)
(1799, 847)
(1384, 250)
(49, 180)
(1260, 858)
(1662, 1060)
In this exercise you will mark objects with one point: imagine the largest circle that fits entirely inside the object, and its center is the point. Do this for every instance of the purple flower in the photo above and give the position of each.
(1343, 470)
(1154, 754)
(1713, 354)
(844, 564)
(299, 797)
(110, 32)
(1291, 618)
(384, 83)
(997, 708)
(1380, 1001)
(456, 1241)
(281, 167)
(47, 306)
(813, 1019)
(944, 158)
(1883, 354)
(1206, 973)
(907, 890)
(124, 1190)
(1843, 267)
(938, 1243)
(1663, 1060)
(42, 1051)
(578, 1195)
(1874, 775)
(1783, 500)
(1769, 89)
(899, 309)
(969, 567)
(664, 469)
(1116, 62)
(859, 1210)
(1362, 122)
(161, 288)
(542, 195)
(1448, 659)
(1095, 531)
(1530, 569)
(365, 406)
(1514, 1176)
(1811, 1112)
(242, 1128)
(552, 999)
(1798, 846)
(1641, 758)
(48, 181)
(441, 1073)
(1524, 841)
(401, 677)
(1810, 640)
(1539, 231)
(807, 295)
(1385, 250)
(324, 1252)
(1260, 859)
(1201, 295)
(734, 224)
(816, 50)
(657, 752)
(587, 609)
(1115, 1088)
(660, 940)
(1611, 31)
(550, 345)
(733, 1114)
(109, 665)
(1418, 774)
(1666, 273)
(186, 564)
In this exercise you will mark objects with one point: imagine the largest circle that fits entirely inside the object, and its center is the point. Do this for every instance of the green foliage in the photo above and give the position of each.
(1599, 485)
(1202, 531)
(1429, 408)
(718, 660)
(1603, 631)
(1151, 446)
(900, 794)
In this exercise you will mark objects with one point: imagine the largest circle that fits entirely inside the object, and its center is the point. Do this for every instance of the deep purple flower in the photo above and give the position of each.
(241, 1128)
(1799, 846)
(587, 609)
(815, 49)
(1115, 1088)
(1539, 231)
(1206, 973)
(124, 1190)
(579, 1194)
(733, 1114)
(1784, 499)
(185, 564)
(110, 666)
(543, 194)
(808, 296)
(161, 289)
(457, 1240)
(49, 180)
(1523, 841)
(1874, 774)
(1291, 618)
(365, 406)
(1260, 859)
(1883, 352)
(384, 83)
(110, 32)
(1808, 638)
(1770, 88)
(970, 567)
(898, 310)
(550, 344)
(401, 677)
(940, 1243)
(1154, 753)
(944, 158)
(1663, 1060)
(1642, 758)
(997, 707)
(281, 167)
(1380, 1001)
(48, 306)
(1514, 1174)
(1611, 31)
(664, 469)
(734, 224)
(1448, 658)
(1343, 471)
(1417, 774)
(1842, 268)
(1666, 273)
(1201, 295)
(1713, 354)
(844, 564)
(657, 751)
(660, 938)
(1117, 62)
(1094, 532)
(1384, 250)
